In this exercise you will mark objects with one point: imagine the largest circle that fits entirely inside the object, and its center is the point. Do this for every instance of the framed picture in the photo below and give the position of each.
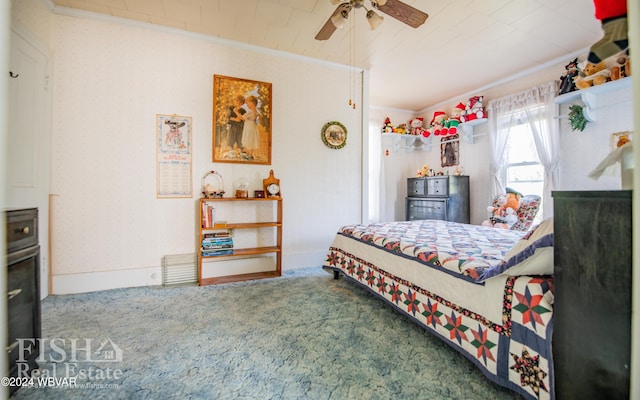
(241, 121)
(450, 150)
(334, 135)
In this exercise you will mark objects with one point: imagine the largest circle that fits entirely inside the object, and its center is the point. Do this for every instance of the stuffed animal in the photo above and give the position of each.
(401, 129)
(506, 214)
(437, 122)
(613, 16)
(424, 171)
(387, 128)
(566, 82)
(474, 109)
(591, 74)
(451, 125)
(417, 129)
(620, 67)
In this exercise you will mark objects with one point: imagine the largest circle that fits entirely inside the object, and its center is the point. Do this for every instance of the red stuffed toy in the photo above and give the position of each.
(613, 16)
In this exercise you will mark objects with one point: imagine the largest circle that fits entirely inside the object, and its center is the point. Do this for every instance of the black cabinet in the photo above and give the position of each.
(23, 289)
(438, 197)
(592, 308)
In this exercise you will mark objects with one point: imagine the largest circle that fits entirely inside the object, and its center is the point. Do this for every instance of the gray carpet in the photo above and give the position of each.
(301, 336)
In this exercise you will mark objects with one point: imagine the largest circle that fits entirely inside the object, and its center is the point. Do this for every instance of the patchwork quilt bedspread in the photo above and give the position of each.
(429, 270)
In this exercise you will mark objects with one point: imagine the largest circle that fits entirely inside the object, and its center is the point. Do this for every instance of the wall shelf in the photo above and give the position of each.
(589, 96)
(468, 128)
(418, 142)
(409, 142)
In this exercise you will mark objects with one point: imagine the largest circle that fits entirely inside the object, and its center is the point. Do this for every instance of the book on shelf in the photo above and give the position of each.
(208, 214)
(227, 239)
(211, 245)
(216, 248)
(219, 234)
(217, 243)
(215, 252)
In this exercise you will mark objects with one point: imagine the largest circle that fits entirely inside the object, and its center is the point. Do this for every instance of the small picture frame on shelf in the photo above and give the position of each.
(259, 194)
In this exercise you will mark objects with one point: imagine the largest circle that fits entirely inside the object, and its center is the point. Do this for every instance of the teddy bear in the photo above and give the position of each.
(424, 171)
(591, 75)
(401, 129)
(505, 215)
(437, 122)
(621, 67)
(417, 129)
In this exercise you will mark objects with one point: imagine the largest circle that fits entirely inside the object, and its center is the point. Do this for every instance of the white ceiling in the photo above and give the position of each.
(464, 44)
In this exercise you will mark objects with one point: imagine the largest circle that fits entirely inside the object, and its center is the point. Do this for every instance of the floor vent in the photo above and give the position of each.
(179, 269)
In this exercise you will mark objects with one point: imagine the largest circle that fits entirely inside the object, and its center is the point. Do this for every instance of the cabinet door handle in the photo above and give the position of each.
(24, 230)
(12, 346)
(14, 293)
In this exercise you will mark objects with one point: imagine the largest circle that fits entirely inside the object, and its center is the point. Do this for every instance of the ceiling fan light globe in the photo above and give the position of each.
(374, 19)
(339, 19)
(334, 2)
(380, 2)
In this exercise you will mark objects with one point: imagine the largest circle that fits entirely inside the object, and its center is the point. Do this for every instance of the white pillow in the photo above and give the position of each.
(531, 255)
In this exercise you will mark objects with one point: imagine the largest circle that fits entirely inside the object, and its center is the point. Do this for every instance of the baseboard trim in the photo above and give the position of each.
(151, 276)
(105, 280)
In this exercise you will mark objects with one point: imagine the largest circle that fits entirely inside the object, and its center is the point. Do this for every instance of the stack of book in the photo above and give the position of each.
(216, 244)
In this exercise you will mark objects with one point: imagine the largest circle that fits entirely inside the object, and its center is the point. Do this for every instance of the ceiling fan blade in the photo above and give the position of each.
(328, 28)
(403, 13)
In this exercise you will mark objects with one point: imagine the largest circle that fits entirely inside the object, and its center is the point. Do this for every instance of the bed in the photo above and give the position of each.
(487, 292)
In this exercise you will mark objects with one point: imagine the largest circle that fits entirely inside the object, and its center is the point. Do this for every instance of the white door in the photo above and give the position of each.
(29, 140)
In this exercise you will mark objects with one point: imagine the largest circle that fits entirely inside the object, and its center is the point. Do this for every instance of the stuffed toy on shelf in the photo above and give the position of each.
(417, 129)
(437, 122)
(451, 125)
(612, 14)
(474, 109)
(591, 74)
(505, 215)
(567, 83)
(387, 127)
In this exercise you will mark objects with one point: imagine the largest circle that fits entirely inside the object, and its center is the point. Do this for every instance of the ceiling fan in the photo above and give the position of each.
(395, 8)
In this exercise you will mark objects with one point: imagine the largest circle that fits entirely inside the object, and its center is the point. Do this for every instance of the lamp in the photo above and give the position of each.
(340, 18)
(374, 19)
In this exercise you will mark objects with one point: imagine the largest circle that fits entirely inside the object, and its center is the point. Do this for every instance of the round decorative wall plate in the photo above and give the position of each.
(334, 135)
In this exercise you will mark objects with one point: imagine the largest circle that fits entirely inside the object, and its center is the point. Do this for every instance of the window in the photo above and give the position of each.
(525, 143)
(523, 170)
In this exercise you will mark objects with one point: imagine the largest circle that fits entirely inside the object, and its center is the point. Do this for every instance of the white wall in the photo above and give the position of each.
(581, 151)
(111, 78)
(393, 165)
(4, 117)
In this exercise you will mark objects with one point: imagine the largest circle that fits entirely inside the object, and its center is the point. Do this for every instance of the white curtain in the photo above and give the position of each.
(536, 107)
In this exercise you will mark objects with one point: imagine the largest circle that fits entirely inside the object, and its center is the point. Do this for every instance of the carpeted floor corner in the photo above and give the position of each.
(301, 336)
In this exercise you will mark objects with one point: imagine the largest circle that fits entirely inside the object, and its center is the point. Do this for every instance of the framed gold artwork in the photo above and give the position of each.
(242, 114)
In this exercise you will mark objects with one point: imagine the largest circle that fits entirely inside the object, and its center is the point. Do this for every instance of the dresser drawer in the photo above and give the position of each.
(417, 187)
(22, 229)
(426, 209)
(438, 186)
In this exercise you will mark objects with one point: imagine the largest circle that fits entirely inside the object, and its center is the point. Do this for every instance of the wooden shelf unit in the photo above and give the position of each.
(242, 252)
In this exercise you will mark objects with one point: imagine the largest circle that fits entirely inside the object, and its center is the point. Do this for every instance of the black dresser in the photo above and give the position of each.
(592, 308)
(438, 197)
(23, 288)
